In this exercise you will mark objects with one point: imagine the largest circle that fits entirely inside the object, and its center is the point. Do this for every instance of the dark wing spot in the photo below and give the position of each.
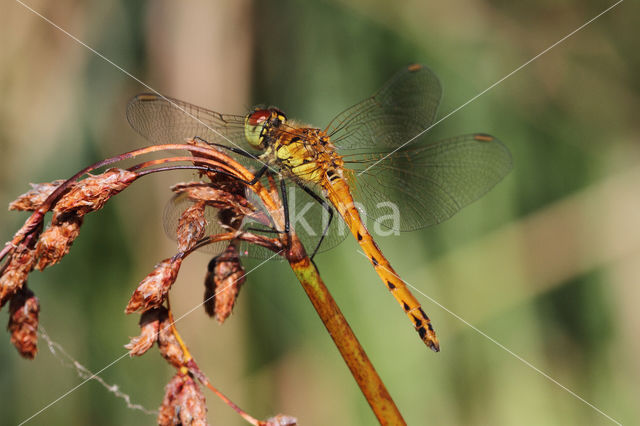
(482, 137)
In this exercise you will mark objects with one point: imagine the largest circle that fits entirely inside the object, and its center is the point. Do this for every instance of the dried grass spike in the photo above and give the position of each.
(168, 412)
(55, 242)
(282, 420)
(91, 194)
(153, 289)
(23, 322)
(193, 407)
(149, 328)
(31, 200)
(14, 275)
(183, 403)
(228, 276)
(191, 226)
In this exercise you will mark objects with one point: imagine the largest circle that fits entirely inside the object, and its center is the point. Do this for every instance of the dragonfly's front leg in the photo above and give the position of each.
(324, 205)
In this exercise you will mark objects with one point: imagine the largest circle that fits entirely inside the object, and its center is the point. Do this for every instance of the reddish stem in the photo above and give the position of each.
(202, 378)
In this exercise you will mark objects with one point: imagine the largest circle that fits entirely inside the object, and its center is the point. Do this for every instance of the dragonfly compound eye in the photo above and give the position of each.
(255, 127)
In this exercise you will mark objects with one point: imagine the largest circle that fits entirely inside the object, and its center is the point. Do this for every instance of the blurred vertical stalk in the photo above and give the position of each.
(352, 352)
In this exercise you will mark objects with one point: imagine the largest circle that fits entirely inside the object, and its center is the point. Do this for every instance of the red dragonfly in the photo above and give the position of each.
(374, 153)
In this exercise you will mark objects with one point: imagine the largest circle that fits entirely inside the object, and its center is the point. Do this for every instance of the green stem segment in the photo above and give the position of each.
(353, 354)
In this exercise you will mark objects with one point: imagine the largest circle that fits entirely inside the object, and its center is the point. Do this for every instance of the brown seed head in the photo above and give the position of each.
(92, 193)
(31, 200)
(167, 415)
(191, 226)
(152, 290)
(149, 327)
(14, 276)
(222, 284)
(55, 242)
(282, 420)
(183, 403)
(193, 406)
(215, 196)
(23, 322)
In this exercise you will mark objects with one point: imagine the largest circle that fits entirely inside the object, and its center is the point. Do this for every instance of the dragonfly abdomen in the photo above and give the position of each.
(339, 194)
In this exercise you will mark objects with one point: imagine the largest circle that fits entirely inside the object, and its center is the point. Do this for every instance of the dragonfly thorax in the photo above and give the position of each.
(303, 153)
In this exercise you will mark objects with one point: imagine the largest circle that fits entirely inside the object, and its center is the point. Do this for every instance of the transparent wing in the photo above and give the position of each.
(405, 106)
(163, 120)
(309, 219)
(420, 186)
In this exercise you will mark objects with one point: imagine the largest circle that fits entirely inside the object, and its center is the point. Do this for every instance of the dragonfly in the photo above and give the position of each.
(372, 156)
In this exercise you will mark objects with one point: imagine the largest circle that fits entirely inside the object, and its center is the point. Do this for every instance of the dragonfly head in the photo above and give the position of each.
(259, 123)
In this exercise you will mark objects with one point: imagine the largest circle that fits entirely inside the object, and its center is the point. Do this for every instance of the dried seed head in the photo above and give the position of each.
(183, 403)
(14, 275)
(191, 226)
(168, 415)
(31, 200)
(152, 290)
(215, 196)
(193, 406)
(149, 327)
(92, 193)
(23, 322)
(282, 420)
(224, 278)
(168, 344)
(55, 242)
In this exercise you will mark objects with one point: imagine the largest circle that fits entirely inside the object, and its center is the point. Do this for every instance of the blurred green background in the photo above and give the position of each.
(547, 263)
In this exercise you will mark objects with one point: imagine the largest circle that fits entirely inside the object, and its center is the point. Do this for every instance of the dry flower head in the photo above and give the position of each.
(16, 271)
(23, 322)
(31, 200)
(223, 281)
(149, 328)
(91, 193)
(153, 289)
(183, 403)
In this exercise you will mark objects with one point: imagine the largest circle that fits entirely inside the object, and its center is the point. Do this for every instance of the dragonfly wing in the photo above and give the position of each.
(427, 184)
(310, 219)
(163, 120)
(404, 107)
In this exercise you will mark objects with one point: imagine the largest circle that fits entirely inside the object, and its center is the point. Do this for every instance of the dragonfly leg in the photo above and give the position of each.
(229, 148)
(327, 207)
(257, 176)
(285, 205)
(266, 231)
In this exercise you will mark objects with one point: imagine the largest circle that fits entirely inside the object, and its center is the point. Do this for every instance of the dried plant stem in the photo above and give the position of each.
(202, 378)
(185, 351)
(352, 352)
